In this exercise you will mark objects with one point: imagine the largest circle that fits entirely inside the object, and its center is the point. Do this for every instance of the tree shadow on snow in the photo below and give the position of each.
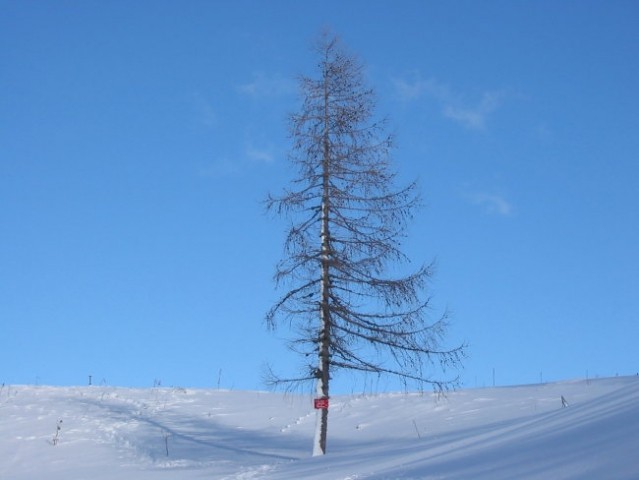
(169, 438)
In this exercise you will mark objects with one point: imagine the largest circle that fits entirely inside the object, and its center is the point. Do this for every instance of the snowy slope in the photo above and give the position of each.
(482, 434)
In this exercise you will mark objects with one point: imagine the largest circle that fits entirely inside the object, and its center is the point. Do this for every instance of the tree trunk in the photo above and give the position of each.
(322, 391)
(319, 447)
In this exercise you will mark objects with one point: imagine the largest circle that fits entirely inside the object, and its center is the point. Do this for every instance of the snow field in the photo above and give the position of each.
(175, 433)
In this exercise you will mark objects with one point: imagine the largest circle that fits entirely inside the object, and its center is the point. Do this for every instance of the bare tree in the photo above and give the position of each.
(347, 222)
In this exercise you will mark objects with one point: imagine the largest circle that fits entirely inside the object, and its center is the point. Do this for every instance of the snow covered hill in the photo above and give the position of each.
(108, 433)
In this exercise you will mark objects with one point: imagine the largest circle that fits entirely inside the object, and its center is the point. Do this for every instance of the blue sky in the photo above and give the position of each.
(138, 140)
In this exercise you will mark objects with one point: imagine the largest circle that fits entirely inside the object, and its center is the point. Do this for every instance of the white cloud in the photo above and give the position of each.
(408, 91)
(474, 117)
(259, 155)
(264, 85)
(469, 118)
(491, 203)
(454, 106)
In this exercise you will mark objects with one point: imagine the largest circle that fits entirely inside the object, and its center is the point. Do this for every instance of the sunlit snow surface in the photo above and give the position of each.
(481, 434)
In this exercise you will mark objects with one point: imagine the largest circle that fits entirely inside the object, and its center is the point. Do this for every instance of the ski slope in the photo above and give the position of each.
(522, 432)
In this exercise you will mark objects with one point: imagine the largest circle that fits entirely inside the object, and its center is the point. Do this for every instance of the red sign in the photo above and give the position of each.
(321, 403)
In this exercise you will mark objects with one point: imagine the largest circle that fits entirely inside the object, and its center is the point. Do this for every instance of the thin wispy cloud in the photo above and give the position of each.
(471, 114)
(475, 116)
(268, 85)
(259, 155)
(242, 164)
(408, 91)
(491, 204)
(221, 167)
(204, 110)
